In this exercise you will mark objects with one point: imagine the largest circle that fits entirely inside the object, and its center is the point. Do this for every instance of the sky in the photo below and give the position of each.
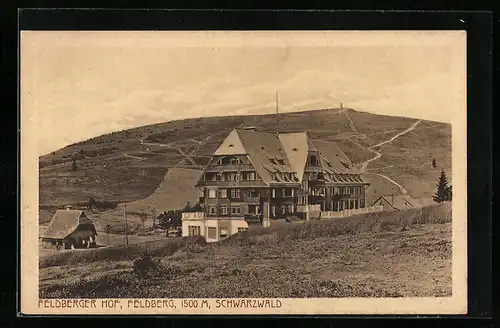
(78, 85)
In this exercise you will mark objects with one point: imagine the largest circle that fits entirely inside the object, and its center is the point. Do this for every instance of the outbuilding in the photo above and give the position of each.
(70, 229)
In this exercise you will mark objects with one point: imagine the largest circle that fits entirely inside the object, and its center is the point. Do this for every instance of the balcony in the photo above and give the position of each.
(313, 169)
(193, 215)
(252, 200)
(229, 168)
(233, 184)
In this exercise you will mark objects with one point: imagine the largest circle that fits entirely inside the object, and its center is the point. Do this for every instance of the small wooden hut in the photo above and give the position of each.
(70, 229)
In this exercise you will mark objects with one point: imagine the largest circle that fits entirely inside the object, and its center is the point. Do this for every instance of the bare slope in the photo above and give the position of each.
(175, 190)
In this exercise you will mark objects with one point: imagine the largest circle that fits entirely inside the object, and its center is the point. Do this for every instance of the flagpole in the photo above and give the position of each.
(277, 116)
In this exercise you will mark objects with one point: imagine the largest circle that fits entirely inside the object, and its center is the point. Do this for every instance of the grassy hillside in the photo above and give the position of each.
(389, 254)
(131, 166)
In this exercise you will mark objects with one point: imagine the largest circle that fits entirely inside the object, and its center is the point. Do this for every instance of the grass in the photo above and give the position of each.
(388, 254)
(120, 253)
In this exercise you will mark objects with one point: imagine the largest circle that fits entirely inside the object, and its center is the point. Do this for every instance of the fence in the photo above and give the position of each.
(346, 213)
(193, 215)
(308, 208)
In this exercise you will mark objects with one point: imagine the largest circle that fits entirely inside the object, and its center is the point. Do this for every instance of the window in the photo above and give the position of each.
(235, 193)
(287, 192)
(193, 230)
(283, 209)
(223, 193)
(273, 160)
(219, 177)
(212, 193)
(242, 229)
(223, 233)
(237, 177)
(290, 208)
(252, 176)
(212, 232)
(281, 161)
(235, 210)
(211, 210)
(313, 160)
(223, 209)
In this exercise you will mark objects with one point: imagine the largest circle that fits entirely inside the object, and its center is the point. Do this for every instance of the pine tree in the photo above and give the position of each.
(443, 192)
(434, 163)
(188, 207)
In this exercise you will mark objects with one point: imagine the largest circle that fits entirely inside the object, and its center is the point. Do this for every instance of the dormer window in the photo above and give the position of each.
(281, 161)
(231, 145)
(313, 160)
(294, 149)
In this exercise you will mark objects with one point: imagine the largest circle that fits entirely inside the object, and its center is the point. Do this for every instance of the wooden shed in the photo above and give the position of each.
(70, 229)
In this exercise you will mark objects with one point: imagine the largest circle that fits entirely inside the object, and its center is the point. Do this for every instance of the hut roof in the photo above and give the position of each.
(398, 202)
(65, 222)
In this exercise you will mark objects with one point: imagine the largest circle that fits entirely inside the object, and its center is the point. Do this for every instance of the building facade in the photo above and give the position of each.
(260, 177)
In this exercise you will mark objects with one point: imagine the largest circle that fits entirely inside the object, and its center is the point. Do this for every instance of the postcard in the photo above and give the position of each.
(243, 172)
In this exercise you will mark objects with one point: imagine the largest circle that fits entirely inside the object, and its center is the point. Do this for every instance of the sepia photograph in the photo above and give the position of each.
(239, 172)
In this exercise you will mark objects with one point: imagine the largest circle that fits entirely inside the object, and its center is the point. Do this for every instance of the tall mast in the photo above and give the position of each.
(277, 116)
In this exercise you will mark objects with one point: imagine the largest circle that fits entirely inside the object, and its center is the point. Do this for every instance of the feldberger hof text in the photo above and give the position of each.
(159, 303)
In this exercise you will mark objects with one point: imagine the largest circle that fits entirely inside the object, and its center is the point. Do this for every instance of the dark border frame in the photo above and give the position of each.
(479, 102)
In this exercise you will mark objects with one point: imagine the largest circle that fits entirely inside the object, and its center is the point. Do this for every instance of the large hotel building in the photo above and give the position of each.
(255, 177)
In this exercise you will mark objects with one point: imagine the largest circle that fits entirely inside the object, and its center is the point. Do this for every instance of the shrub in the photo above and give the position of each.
(146, 265)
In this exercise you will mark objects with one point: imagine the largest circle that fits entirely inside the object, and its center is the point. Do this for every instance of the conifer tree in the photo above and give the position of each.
(443, 192)
(434, 163)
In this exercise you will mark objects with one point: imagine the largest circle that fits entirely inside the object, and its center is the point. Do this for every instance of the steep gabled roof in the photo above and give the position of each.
(333, 157)
(297, 147)
(287, 152)
(232, 145)
(65, 222)
(264, 150)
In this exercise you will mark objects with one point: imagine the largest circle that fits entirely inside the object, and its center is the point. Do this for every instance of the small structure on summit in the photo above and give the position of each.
(70, 229)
